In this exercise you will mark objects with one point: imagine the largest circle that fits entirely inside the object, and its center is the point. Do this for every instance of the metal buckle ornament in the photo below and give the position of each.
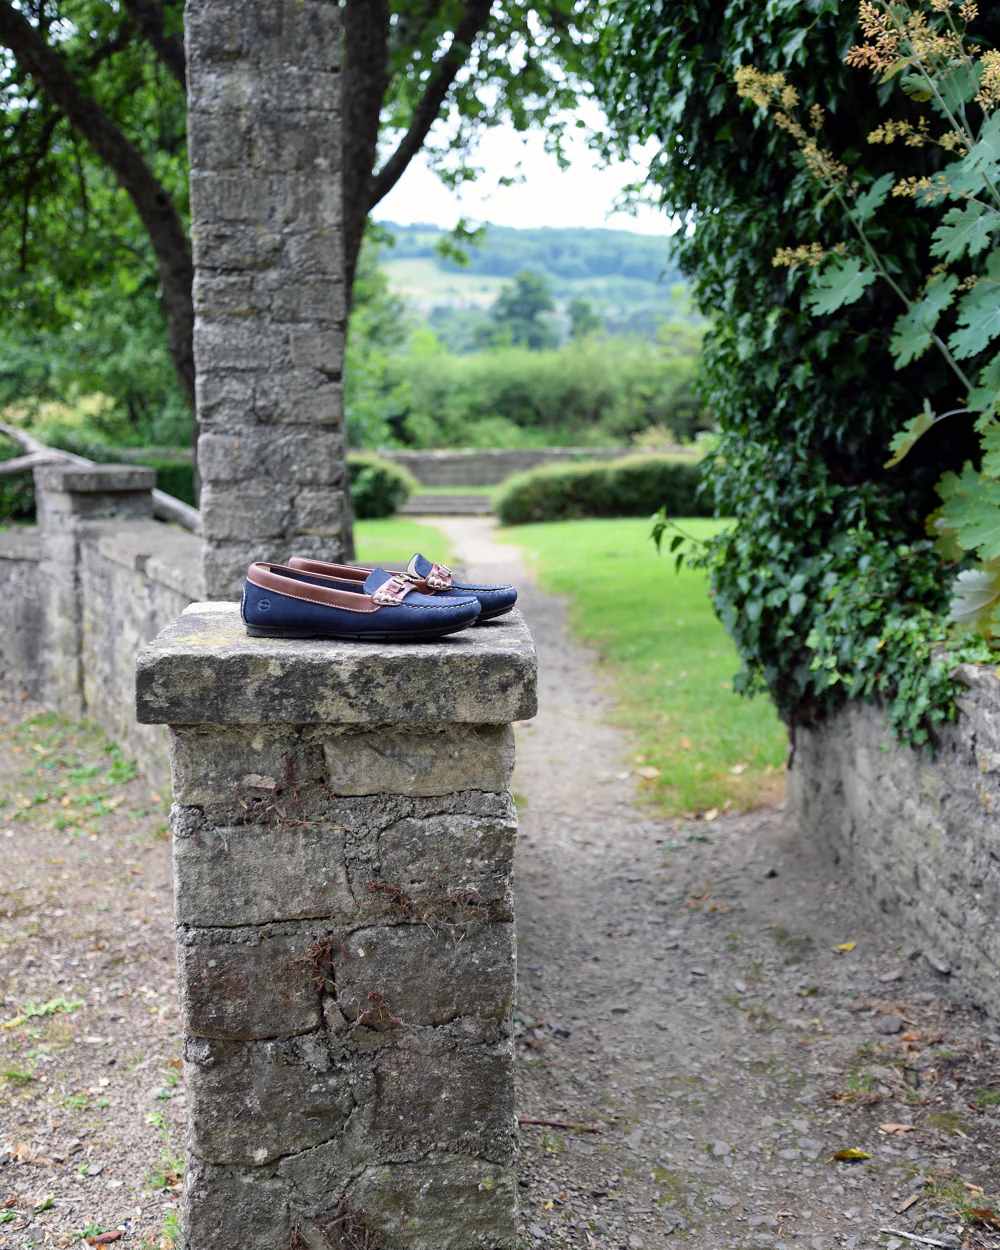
(439, 578)
(392, 592)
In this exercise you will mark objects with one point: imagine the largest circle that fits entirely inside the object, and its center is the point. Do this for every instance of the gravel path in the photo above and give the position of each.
(680, 993)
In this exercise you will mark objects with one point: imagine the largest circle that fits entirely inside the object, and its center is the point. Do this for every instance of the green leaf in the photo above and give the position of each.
(979, 312)
(972, 510)
(903, 442)
(913, 331)
(990, 439)
(975, 597)
(840, 283)
(956, 86)
(870, 201)
(986, 396)
(967, 229)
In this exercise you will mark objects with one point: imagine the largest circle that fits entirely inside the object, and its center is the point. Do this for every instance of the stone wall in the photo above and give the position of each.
(83, 590)
(21, 613)
(920, 832)
(266, 213)
(487, 468)
(343, 850)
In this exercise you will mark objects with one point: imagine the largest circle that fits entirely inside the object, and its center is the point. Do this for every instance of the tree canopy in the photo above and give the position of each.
(93, 201)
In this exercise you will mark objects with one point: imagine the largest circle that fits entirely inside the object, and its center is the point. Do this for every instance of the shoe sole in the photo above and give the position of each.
(263, 631)
(492, 616)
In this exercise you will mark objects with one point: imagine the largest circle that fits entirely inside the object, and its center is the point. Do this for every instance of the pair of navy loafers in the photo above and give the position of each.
(316, 599)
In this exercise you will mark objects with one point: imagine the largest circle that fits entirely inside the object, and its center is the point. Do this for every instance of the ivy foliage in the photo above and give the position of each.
(827, 582)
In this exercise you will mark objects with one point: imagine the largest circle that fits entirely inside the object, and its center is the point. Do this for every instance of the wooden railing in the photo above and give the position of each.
(165, 507)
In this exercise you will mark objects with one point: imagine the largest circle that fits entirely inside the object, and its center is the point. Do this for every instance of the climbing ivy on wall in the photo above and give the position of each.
(828, 583)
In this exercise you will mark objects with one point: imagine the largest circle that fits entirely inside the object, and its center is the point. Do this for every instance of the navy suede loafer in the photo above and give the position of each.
(283, 602)
(426, 577)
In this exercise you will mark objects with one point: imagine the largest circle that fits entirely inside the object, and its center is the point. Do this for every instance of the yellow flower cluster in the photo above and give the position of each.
(890, 37)
(774, 92)
(912, 136)
(989, 85)
(810, 254)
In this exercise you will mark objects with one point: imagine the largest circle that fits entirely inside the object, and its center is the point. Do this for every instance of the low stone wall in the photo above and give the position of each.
(21, 612)
(920, 832)
(83, 590)
(487, 468)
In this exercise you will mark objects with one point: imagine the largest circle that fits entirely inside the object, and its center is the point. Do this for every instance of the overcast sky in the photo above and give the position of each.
(584, 195)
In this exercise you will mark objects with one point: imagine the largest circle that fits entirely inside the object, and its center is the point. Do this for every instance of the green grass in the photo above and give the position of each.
(396, 539)
(672, 661)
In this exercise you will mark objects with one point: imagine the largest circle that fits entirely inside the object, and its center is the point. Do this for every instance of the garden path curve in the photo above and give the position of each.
(680, 990)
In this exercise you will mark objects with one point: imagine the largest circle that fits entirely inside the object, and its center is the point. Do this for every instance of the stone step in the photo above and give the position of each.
(447, 505)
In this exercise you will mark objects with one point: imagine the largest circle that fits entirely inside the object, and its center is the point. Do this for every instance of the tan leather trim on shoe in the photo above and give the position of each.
(271, 577)
(323, 568)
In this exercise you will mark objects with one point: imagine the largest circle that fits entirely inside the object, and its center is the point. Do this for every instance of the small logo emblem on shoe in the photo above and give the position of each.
(264, 605)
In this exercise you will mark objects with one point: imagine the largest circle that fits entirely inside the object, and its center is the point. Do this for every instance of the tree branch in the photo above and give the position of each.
(152, 201)
(366, 78)
(149, 16)
(426, 113)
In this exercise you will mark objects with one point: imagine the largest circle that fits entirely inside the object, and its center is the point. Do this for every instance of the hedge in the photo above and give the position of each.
(633, 486)
(378, 487)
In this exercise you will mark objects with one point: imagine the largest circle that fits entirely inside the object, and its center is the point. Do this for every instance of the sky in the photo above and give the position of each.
(583, 195)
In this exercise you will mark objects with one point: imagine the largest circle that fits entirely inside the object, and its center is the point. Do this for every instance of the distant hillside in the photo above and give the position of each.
(629, 278)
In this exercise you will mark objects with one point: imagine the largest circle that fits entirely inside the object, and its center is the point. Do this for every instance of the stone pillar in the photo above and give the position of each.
(343, 838)
(67, 498)
(264, 140)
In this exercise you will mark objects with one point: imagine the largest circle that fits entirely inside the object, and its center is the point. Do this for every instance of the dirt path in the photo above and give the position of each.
(681, 991)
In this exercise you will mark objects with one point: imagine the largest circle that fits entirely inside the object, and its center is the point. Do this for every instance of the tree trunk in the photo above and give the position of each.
(365, 80)
(123, 158)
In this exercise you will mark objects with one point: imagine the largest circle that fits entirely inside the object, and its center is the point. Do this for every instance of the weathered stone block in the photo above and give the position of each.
(248, 983)
(255, 508)
(204, 669)
(229, 1207)
(439, 969)
(308, 398)
(229, 767)
(430, 760)
(432, 1094)
(253, 1102)
(249, 344)
(225, 295)
(318, 349)
(446, 1204)
(316, 513)
(256, 874)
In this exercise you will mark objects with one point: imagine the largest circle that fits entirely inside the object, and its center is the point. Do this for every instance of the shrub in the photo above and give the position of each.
(17, 494)
(378, 487)
(634, 486)
(806, 411)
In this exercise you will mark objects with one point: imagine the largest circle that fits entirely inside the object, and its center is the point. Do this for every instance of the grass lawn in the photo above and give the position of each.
(397, 538)
(672, 661)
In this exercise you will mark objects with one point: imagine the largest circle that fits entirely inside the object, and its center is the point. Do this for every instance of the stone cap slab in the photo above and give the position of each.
(96, 479)
(205, 669)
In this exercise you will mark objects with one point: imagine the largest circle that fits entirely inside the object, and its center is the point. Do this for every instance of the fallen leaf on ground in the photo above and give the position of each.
(711, 814)
(845, 948)
(851, 1155)
(648, 773)
(984, 1215)
(896, 1128)
(105, 1239)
